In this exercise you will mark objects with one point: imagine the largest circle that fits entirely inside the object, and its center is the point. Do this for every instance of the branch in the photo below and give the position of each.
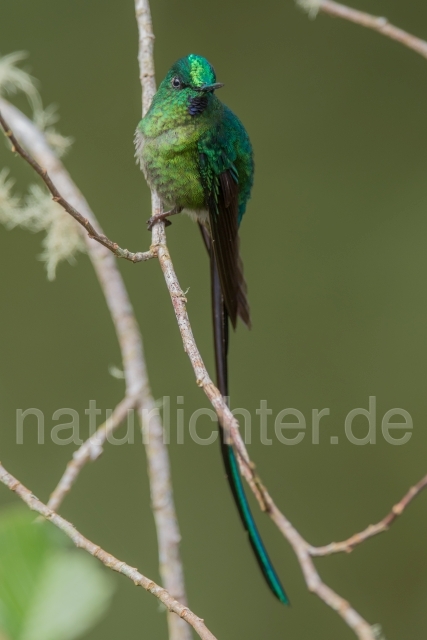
(302, 549)
(106, 558)
(203, 380)
(57, 197)
(158, 459)
(89, 451)
(171, 567)
(382, 25)
(373, 529)
(145, 53)
(137, 383)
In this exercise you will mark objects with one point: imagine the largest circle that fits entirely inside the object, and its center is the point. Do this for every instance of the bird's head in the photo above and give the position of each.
(190, 84)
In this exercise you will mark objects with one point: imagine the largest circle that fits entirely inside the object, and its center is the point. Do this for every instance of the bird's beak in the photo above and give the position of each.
(208, 88)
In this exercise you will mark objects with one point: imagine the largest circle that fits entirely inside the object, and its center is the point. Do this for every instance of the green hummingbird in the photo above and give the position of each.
(196, 155)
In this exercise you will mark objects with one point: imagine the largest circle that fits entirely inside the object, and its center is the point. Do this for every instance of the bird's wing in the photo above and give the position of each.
(220, 181)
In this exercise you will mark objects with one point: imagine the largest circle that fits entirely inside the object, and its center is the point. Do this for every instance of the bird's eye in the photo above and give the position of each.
(176, 82)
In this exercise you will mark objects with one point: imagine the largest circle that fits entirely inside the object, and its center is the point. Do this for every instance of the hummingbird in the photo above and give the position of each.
(197, 156)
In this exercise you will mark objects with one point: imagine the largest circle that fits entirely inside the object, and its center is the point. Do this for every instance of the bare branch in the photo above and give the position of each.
(145, 53)
(89, 451)
(57, 197)
(158, 461)
(302, 549)
(137, 383)
(203, 380)
(373, 529)
(106, 558)
(382, 25)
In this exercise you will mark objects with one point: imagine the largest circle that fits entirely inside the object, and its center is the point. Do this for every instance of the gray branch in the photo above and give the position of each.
(376, 23)
(136, 377)
(180, 611)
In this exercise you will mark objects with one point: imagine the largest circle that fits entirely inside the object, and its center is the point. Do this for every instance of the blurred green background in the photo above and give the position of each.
(334, 244)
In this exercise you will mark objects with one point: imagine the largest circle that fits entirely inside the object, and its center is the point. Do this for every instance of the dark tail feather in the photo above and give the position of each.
(220, 326)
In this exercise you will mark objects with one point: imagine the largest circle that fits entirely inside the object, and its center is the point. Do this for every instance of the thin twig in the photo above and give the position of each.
(145, 53)
(90, 450)
(382, 25)
(134, 366)
(157, 455)
(57, 197)
(315, 584)
(203, 380)
(302, 549)
(373, 529)
(106, 558)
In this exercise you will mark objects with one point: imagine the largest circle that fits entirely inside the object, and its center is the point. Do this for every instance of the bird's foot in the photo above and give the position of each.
(162, 217)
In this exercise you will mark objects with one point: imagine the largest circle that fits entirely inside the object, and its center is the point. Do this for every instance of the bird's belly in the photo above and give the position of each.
(171, 169)
(198, 215)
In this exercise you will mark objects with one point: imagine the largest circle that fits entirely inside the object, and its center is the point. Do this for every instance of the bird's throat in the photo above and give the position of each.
(197, 105)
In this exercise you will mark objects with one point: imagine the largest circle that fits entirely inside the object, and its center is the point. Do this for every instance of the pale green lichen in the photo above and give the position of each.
(13, 79)
(378, 632)
(310, 6)
(44, 119)
(115, 372)
(9, 203)
(38, 212)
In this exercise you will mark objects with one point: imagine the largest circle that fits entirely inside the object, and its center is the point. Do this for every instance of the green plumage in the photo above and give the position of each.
(169, 140)
(196, 154)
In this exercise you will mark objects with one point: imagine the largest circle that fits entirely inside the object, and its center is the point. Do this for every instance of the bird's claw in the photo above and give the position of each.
(158, 218)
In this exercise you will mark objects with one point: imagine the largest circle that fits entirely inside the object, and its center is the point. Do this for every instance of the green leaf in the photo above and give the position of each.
(47, 590)
(72, 595)
(23, 551)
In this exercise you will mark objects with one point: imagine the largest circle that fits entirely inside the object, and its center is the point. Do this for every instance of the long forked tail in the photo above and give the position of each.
(220, 327)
